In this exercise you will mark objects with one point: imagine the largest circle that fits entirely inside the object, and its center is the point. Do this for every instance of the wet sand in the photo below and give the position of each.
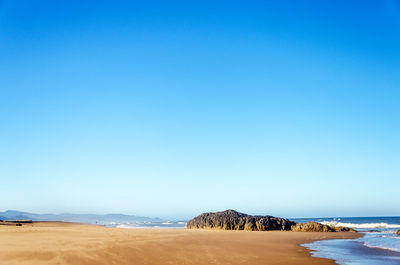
(68, 243)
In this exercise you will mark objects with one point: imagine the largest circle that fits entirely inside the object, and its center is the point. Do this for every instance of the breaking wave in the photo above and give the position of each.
(362, 226)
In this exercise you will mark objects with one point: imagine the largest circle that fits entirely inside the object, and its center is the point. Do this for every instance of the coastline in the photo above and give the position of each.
(353, 251)
(74, 243)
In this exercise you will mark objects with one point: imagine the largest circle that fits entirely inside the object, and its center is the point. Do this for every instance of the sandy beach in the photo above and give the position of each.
(69, 243)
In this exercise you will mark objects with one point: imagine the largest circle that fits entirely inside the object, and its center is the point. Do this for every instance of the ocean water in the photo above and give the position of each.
(380, 245)
(163, 224)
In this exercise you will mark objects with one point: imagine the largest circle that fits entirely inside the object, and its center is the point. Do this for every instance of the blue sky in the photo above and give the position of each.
(172, 108)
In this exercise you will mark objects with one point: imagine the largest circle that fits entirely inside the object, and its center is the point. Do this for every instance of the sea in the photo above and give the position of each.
(157, 225)
(379, 245)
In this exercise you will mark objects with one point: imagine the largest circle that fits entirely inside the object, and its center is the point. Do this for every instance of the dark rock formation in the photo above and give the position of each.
(398, 232)
(317, 227)
(19, 221)
(232, 220)
(312, 227)
(10, 223)
(344, 229)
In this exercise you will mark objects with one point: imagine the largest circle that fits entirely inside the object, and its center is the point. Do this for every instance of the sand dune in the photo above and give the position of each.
(68, 243)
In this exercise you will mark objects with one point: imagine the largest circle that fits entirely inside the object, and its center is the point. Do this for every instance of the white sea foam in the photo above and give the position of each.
(382, 246)
(379, 233)
(361, 226)
(126, 226)
(382, 240)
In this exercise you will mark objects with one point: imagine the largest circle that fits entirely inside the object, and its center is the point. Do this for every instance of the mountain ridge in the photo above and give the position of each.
(83, 218)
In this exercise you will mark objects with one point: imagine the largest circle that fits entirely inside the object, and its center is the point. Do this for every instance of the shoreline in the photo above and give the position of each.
(77, 243)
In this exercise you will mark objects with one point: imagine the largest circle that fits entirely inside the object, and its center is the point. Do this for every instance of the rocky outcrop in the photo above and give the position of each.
(19, 221)
(318, 227)
(312, 227)
(232, 220)
(15, 222)
(398, 232)
(344, 229)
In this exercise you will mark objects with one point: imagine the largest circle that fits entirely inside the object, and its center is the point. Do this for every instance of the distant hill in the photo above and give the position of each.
(82, 218)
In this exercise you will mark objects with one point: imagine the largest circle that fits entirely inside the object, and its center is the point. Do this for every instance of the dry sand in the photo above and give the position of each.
(67, 243)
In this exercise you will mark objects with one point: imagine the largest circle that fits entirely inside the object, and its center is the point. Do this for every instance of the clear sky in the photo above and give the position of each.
(169, 109)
